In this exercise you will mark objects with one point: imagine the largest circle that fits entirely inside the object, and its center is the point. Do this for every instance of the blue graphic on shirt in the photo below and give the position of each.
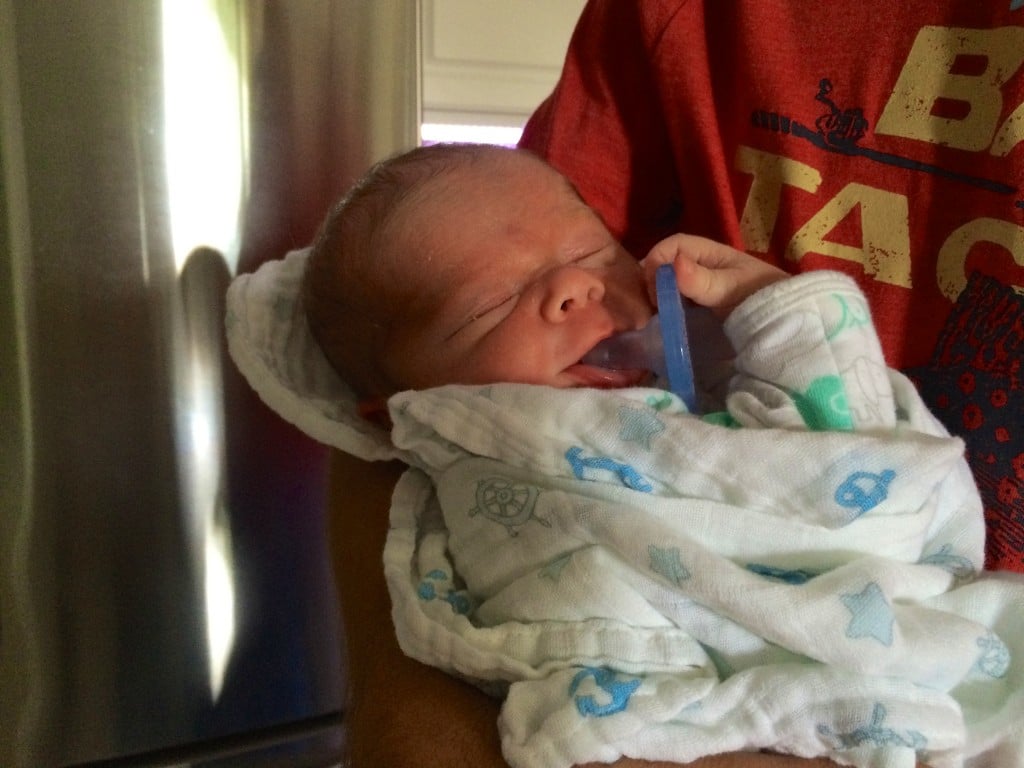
(870, 615)
(666, 562)
(839, 127)
(994, 660)
(876, 733)
(840, 130)
(428, 590)
(639, 426)
(626, 474)
(618, 692)
(1016, 5)
(503, 501)
(863, 491)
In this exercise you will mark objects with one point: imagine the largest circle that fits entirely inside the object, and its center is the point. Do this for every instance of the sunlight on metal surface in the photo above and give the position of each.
(206, 142)
(203, 476)
(220, 602)
(205, 126)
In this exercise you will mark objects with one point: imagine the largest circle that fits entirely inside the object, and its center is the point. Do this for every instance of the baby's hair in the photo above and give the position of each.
(345, 287)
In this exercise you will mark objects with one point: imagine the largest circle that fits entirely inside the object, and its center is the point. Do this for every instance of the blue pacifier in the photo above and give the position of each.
(661, 346)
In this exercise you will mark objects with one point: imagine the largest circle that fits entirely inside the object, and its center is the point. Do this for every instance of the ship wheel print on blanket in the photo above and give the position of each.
(508, 503)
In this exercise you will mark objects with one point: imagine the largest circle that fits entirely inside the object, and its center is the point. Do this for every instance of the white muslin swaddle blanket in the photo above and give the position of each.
(799, 573)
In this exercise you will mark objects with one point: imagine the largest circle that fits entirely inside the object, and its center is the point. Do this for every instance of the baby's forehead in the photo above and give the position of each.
(498, 197)
(493, 172)
(509, 190)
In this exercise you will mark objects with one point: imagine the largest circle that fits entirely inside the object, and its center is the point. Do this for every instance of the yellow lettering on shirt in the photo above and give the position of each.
(771, 173)
(884, 252)
(951, 271)
(1010, 135)
(929, 77)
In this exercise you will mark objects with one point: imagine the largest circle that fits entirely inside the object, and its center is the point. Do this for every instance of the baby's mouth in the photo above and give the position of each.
(607, 378)
(597, 368)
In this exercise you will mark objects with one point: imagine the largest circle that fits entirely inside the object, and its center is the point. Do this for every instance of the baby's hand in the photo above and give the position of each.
(712, 274)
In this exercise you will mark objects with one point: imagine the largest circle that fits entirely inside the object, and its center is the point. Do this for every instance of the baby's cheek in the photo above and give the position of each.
(525, 355)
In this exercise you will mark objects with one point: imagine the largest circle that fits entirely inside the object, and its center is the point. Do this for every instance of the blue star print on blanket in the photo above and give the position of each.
(871, 614)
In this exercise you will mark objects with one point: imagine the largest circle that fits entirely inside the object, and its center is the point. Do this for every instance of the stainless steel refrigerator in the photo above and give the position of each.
(166, 595)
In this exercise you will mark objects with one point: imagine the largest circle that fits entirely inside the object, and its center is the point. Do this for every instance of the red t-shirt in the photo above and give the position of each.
(881, 139)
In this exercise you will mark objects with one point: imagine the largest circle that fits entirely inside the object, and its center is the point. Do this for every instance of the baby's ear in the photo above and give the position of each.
(375, 411)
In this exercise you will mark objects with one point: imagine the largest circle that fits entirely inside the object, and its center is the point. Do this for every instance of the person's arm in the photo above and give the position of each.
(401, 713)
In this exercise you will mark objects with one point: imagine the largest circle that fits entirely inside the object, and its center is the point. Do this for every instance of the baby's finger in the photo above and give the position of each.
(709, 287)
(671, 250)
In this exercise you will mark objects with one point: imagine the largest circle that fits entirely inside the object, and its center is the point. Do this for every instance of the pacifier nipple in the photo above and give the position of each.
(661, 346)
(629, 350)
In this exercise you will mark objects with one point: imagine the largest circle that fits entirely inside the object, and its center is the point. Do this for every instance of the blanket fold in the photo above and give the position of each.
(270, 342)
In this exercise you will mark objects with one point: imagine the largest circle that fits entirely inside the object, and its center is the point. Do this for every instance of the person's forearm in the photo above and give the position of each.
(400, 713)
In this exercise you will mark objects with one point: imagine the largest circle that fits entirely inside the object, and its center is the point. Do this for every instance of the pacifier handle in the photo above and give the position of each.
(678, 362)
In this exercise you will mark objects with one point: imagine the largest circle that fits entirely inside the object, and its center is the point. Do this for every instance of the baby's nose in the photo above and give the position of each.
(569, 289)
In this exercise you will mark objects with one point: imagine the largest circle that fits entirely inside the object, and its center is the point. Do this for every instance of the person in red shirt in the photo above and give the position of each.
(883, 140)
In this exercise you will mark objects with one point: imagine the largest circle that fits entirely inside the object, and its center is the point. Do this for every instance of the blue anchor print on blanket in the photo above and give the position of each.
(958, 565)
(626, 474)
(876, 733)
(619, 692)
(666, 562)
(795, 576)
(457, 600)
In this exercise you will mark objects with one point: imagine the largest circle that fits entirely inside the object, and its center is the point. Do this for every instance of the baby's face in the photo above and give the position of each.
(517, 280)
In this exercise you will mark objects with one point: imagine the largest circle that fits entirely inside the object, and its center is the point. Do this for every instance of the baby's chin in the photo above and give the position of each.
(583, 375)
